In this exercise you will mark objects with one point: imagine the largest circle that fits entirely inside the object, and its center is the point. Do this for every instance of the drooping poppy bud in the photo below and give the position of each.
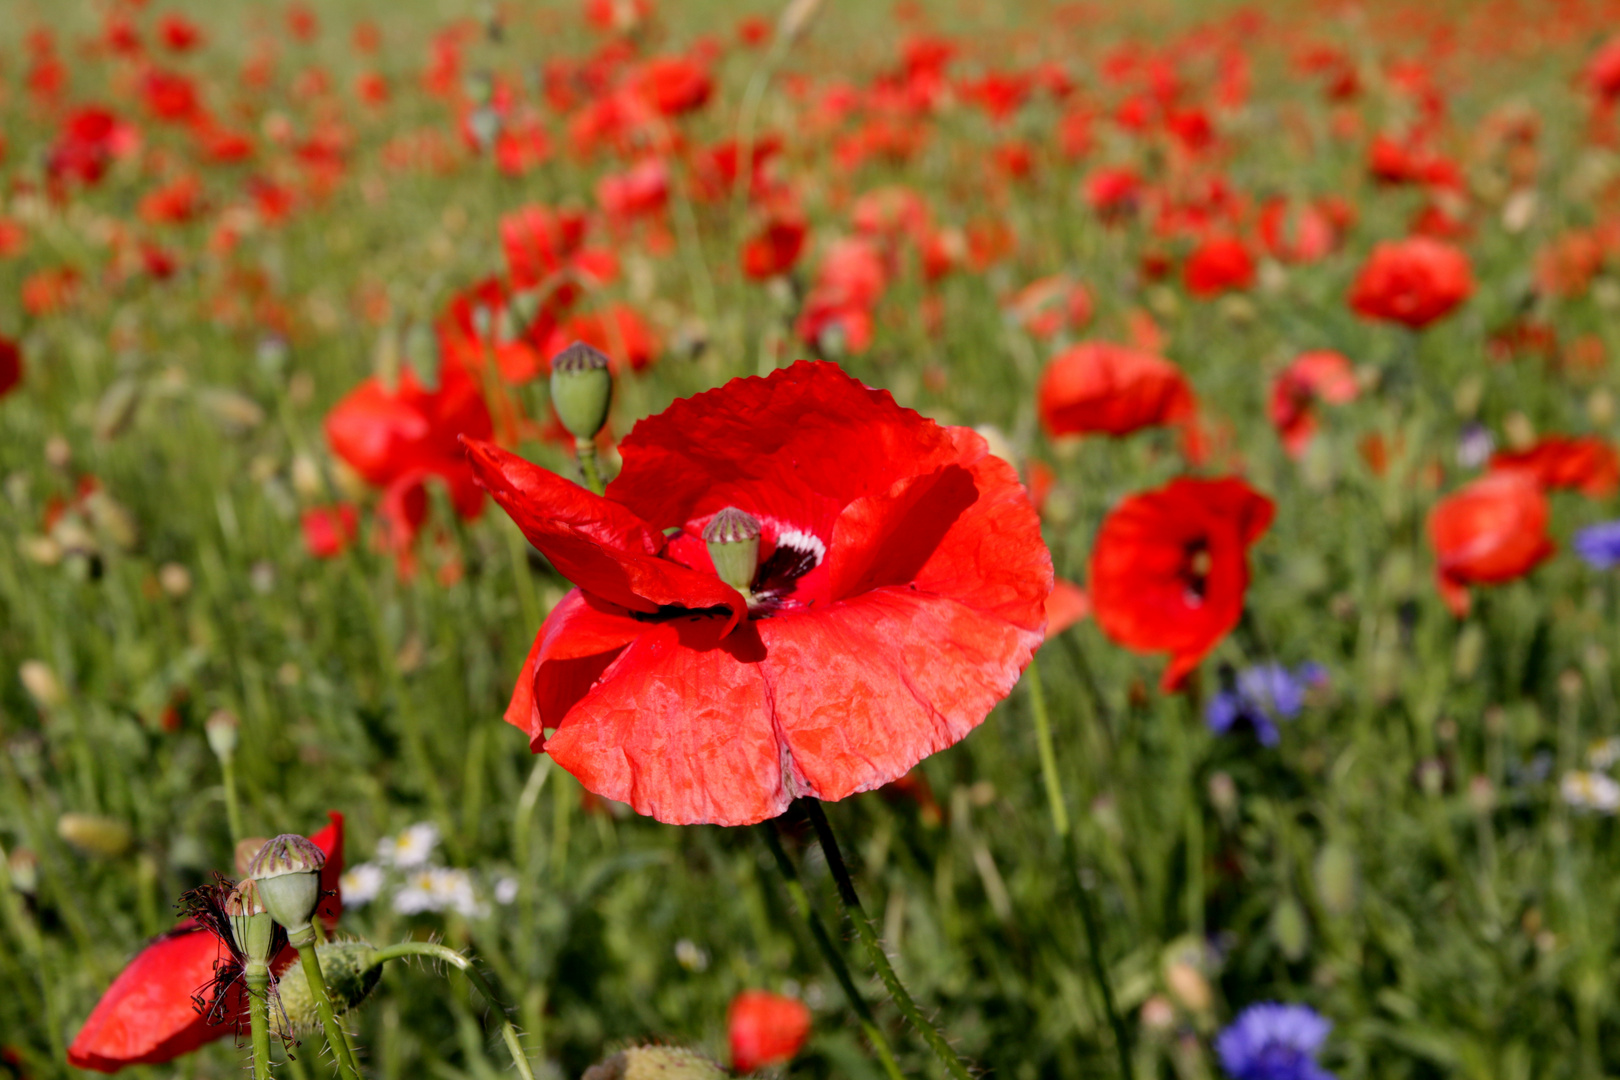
(94, 834)
(581, 389)
(350, 971)
(733, 539)
(288, 870)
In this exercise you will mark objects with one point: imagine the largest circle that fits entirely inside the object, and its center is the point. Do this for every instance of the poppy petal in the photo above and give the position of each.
(147, 1016)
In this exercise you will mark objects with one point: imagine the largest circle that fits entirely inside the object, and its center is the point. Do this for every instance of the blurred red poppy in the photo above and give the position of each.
(1051, 304)
(11, 366)
(674, 84)
(774, 249)
(1101, 388)
(1067, 605)
(1586, 463)
(328, 530)
(765, 1029)
(479, 331)
(546, 249)
(1321, 375)
(615, 331)
(899, 589)
(91, 140)
(147, 1016)
(1218, 264)
(1297, 233)
(1413, 281)
(849, 283)
(396, 439)
(1170, 568)
(179, 33)
(1491, 530)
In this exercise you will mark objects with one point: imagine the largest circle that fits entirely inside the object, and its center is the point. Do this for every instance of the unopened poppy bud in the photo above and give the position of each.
(581, 388)
(221, 727)
(252, 927)
(23, 866)
(288, 870)
(42, 684)
(94, 834)
(733, 539)
(350, 972)
(655, 1063)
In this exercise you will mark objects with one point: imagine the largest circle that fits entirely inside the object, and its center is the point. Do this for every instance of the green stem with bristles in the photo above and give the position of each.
(585, 451)
(258, 985)
(829, 951)
(323, 1007)
(874, 948)
(436, 951)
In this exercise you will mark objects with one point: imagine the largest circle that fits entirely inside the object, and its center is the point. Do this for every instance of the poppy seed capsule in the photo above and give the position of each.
(252, 928)
(733, 539)
(581, 388)
(288, 870)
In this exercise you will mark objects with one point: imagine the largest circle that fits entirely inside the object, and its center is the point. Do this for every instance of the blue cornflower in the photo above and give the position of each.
(1260, 696)
(1273, 1041)
(1599, 545)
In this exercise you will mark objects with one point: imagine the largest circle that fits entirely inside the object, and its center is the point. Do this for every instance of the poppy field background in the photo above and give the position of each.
(217, 224)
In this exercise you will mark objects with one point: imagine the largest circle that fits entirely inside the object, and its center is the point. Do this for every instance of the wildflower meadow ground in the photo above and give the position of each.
(636, 538)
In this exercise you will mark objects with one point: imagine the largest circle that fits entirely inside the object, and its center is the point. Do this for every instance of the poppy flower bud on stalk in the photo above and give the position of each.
(288, 870)
(221, 728)
(581, 388)
(733, 539)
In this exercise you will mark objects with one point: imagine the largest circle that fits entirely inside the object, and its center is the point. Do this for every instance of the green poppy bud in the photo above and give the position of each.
(581, 389)
(350, 974)
(655, 1063)
(94, 834)
(221, 728)
(288, 870)
(733, 539)
(252, 928)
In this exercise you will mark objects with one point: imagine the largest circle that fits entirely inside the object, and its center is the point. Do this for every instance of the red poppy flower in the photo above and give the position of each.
(328, 530)
(775, 247)
(147, 1015)
(179, 33)
(616, 331)
(1218, 264)
(170, 95)
(1297, 233)
(91, 140)
(1067, 605)
(396, 439)
(849, 283)
(1051, 304)
(1603, 70)
(1322, 375)
(1413, 281)
(1102, 388)
(674, 84)
(640, 191)
(476, 333)
(1113, 193)
(1170, 568)
(545, 249)
(11, 366)
(899, 590)
(765, 1029)
(1491, 530)
(1585, 463)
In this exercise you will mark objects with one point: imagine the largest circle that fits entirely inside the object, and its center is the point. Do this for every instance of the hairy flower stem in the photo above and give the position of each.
(829, 951)
(585, 450)
(1075, 874)
(436, 951)
(258, 985)
(874, 948)
(323, 1007)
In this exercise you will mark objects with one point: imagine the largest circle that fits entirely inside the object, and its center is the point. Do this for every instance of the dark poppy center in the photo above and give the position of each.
(777, 578)
(1196, 564)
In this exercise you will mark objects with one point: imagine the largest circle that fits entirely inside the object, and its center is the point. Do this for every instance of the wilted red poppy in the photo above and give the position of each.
(1218, 264)
(1585, 463)
(11, 366)
(1170, 568)
(898, 589)
(765, 1029)
(147, 1016)
(396, 439)
(1321, 375)
(1490, 530)
(1098, 387)
(1413, 281)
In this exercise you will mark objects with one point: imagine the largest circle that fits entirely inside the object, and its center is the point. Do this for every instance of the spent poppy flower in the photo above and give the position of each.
(11, 366)
(1098, 387)
(1319, 375)
(1413, 281)
(765, 1029)
(884, 584)
(1170, 568)
(1587, 464)
(1491, 530)
(148, 1016)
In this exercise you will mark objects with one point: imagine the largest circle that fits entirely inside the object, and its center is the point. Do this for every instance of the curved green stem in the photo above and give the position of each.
(323, 1006)
(829, 951)
(436, 951)
(874, 948)
(258, 984)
